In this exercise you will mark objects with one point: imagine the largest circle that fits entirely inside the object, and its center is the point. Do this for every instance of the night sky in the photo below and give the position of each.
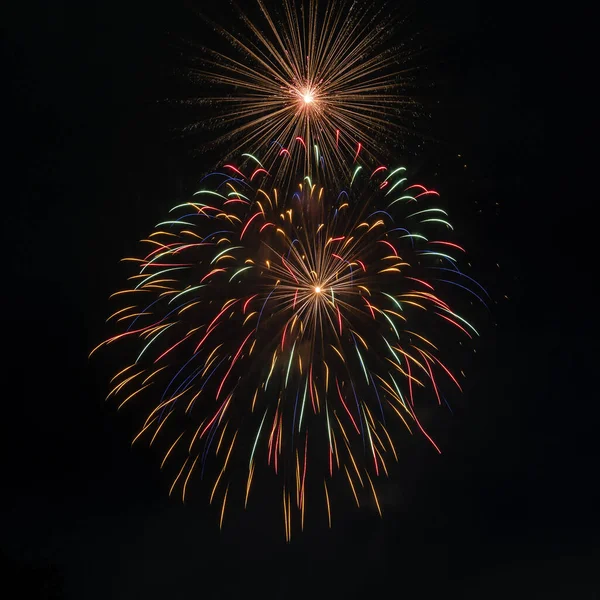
(509, 510)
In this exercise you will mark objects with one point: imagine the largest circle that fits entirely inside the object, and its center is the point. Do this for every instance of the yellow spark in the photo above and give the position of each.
(328, 506)
(179, 475)
(162, 464)
(223, 508)
(187, 478)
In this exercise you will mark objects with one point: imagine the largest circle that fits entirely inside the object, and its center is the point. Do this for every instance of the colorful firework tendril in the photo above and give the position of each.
(324, 75)
(290, 331)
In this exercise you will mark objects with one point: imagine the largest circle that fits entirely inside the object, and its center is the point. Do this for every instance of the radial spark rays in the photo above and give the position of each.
(322, 75)
(298, 332)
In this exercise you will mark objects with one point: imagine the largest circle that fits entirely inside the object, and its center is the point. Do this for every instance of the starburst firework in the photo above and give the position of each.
(321, 76)
(295, 331)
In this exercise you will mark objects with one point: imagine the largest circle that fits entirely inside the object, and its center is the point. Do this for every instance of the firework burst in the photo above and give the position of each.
(323, 76)
(295, 332)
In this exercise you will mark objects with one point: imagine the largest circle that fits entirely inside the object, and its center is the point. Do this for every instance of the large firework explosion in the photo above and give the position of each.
(327, 74)
(296, 331)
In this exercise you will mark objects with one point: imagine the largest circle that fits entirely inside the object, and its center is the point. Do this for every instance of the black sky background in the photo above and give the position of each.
(508, 509)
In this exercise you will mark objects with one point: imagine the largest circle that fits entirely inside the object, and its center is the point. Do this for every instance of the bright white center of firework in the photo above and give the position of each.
(307, 97)
(317, 290)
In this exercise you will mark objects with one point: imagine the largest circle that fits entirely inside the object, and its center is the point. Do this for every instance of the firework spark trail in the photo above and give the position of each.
(322, 77)
(290, 331)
